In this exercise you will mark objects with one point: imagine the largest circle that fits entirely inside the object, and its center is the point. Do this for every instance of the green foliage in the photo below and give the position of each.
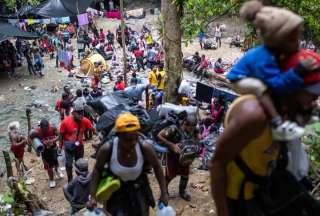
(12, 4)
(199, 13)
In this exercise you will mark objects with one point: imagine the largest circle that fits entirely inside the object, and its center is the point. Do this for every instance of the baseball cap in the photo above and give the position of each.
(312, 80)
(127, 123)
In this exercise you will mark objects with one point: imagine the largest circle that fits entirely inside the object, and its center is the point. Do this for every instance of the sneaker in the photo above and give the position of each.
(52, 184)
(59, 175)
(287, 131)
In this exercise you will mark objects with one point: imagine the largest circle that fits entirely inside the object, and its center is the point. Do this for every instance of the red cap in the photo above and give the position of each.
(312, 80)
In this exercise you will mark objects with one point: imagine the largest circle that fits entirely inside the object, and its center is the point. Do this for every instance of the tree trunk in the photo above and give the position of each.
(123, 43)
(172, 47)
(8, 164)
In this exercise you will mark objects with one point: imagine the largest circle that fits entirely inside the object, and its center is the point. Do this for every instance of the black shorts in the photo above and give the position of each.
(76, 154)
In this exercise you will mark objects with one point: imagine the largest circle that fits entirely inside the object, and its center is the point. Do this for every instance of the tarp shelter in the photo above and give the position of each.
(8, 31)
(62, 8)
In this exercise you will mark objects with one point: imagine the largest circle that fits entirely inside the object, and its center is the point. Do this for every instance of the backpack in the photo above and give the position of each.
(172, 119)
(280, 192)
(189, 151)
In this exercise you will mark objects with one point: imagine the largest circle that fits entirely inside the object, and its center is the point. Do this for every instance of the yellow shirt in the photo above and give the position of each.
(258, 155)
(152, 77)
(149, 39)
(162, 75)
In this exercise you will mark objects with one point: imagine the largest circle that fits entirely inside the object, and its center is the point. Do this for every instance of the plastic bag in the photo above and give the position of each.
(166, 108)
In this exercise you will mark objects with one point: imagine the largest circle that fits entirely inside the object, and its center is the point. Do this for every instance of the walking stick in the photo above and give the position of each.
(28, 114)
(7, 160)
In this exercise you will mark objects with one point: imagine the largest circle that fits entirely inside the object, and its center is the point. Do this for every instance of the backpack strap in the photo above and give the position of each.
(249, 176)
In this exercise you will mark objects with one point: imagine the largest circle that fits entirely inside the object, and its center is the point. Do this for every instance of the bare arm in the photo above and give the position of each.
(163, 139)
(103, 152)
(151, 157)
(246, 123)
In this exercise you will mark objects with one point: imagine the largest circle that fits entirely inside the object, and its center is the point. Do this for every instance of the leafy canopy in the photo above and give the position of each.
(197, 14)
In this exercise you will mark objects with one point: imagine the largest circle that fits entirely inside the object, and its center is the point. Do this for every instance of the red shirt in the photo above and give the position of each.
(138, 53)
(102, 37)
(69, 129)
(204, 63)
(58, 105)
(120, 86)
(43, 137)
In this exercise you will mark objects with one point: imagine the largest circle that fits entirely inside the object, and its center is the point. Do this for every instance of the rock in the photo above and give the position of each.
(27, 88)
(54, 89)
(2, 98)
(33, 87)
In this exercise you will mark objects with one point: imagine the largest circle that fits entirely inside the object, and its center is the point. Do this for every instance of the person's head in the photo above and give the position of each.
(127, 126)
(203, 57)
(134, 75)
(161, 67)
(14, 126)
(219, 60)
(279, 27)
(101, 30)
(67, 89)
(78, 110)
(81, 167)
(86, 92)
(190, 124)
(120, 78)
(154, 69)
(64, 96)
(44, 125)
(218, 25)
(79, 93)
(133, 82)
(109, 31)
(302, 102)
(197, 53)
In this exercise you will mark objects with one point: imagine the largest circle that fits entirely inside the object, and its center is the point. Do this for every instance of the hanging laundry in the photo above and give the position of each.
(83, 19)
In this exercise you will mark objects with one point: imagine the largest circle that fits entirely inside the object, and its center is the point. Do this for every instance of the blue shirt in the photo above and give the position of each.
(202, 35)
(135, 91)
(260, 63)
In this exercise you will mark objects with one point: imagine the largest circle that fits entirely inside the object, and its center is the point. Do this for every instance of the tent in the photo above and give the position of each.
(61, 8)
(8, 31)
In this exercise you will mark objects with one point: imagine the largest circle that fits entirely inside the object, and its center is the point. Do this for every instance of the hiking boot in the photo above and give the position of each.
(52, 184)
(182, 189)
(287, 131)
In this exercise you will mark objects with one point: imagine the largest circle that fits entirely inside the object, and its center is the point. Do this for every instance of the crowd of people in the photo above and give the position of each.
(256, 167)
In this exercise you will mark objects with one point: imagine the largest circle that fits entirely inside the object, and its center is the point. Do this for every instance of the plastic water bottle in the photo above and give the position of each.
(165, 210)
(62, 161)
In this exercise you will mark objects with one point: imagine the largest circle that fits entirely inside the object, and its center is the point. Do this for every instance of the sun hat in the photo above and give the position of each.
(127, 122)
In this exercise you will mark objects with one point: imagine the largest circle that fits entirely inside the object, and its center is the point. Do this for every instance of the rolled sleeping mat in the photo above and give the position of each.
(37, 145)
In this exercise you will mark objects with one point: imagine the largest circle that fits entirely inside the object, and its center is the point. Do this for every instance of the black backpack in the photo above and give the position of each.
(280, 192)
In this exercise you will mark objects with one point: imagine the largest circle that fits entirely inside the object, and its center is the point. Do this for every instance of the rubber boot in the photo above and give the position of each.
(182, 189)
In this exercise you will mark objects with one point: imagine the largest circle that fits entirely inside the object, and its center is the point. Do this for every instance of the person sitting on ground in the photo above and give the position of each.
(126, 157)
(281, 38)
(172, 137)
(119, 85)
(48, 135)
(77, 191)
(235, 41)
(218, 66)
(18, 143)
(204, 64)
(72, 129)
(196, 58)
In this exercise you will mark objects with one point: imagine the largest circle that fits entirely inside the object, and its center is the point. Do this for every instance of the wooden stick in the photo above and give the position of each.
(7, 160)
(28, 114)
